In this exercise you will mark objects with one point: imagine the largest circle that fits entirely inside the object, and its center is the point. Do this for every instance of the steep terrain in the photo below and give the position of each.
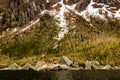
(82, 29)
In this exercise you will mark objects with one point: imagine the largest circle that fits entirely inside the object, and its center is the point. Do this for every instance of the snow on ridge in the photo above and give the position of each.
(62, 24)
(91, 11)
(60, 16)
(99, 12)
(115, 14)
(94, 11)
(109, 13)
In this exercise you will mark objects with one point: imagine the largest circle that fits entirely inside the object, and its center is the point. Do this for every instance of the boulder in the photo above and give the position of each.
(78, 68)
(107, 67)
(88, 65)
(59, 67)
(28, 67)
(65, 67)
(66, 60)
(92, 65)
(53, 66)
(115, 67)
(95, 65)
(41, 67)
(13, 66)
(40, 63)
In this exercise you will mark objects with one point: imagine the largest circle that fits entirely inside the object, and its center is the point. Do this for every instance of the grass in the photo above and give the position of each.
(99, 42)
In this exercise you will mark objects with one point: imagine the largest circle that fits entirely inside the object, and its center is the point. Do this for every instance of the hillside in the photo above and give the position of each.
(80, 29)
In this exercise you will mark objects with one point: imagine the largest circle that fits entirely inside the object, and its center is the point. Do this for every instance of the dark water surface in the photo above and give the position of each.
(60, 75)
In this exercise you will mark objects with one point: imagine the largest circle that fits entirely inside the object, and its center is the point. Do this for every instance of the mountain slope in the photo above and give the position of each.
(90, 29)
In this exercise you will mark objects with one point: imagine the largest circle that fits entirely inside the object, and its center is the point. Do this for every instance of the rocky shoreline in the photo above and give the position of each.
(64, 64)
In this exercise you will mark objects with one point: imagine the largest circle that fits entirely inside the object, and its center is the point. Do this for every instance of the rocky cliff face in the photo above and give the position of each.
(20, 12)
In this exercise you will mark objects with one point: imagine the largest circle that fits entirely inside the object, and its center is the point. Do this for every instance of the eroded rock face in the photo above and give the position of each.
(108, 2)
(89, 65)
(82, 5)
(71, 2)
(20, 12)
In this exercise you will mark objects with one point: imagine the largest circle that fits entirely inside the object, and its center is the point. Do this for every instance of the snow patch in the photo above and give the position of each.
(101, 13)
(72, 7)
(47, 1)
(117, 14)
(91, 11)
(67, 0)
(60, 16)
(43, 12)
(62, 24)
(13, 30)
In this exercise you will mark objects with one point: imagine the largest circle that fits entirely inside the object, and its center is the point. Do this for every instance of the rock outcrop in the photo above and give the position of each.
(89, 65)
(13, 66)
(92, 65)
(20, 12)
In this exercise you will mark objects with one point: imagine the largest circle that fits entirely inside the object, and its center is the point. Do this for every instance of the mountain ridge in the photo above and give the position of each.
(16, 16)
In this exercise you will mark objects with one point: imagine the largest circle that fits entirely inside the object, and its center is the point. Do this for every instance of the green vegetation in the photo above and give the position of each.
(99, 42)
(39, 40)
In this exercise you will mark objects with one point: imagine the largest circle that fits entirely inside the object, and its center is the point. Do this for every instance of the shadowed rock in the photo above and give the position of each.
(27, 67)
(107, 67)
(13, 66)
(41, 67)
(66, 60)
(92, 65)
(59, 67)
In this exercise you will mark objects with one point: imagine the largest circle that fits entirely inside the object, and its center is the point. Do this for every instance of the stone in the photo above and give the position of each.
(40, 63)
(95, 65)
(92, 65)
(76, 65)
(88, 65)
(41, 67)
(107, 67)
(115, 67)
(53, 66)
(78, 68)
(59, 67)
(28, 67)
(66, 60)
(13, 66)
(65, 67)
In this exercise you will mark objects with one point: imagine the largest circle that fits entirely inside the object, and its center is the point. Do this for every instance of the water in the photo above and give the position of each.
(60, 75)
